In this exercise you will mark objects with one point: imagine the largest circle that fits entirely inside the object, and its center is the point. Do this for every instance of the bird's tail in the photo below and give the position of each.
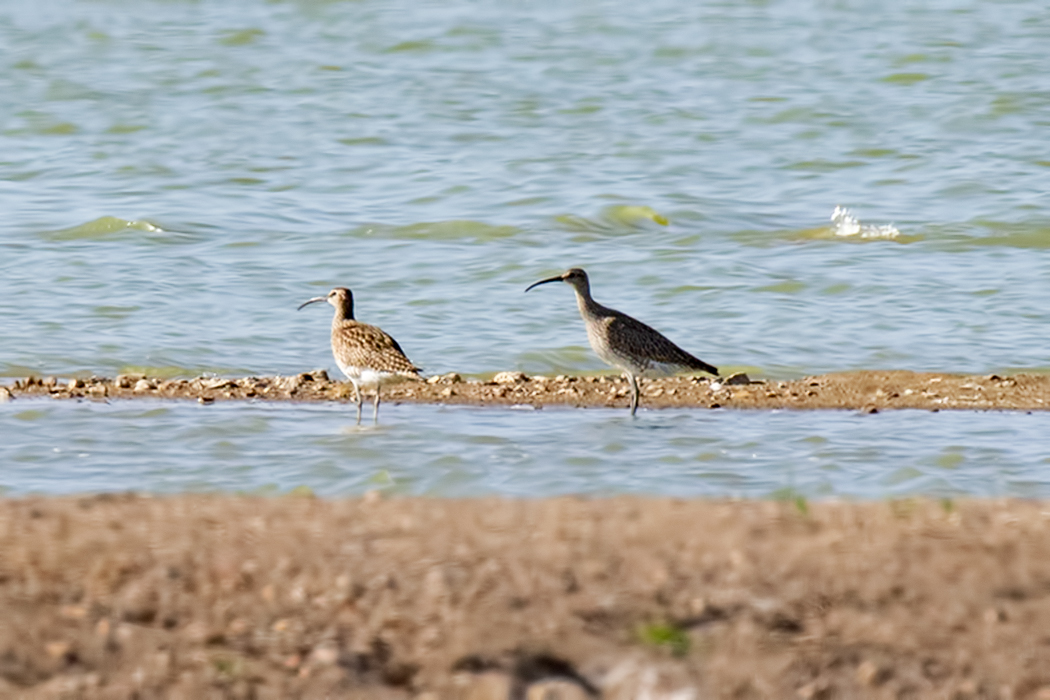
(697, 363)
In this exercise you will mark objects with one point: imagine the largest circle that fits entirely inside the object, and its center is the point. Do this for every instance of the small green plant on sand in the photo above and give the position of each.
(230, 667)
(665, 635)
(802, 505)
(903, 508)
(792, 496)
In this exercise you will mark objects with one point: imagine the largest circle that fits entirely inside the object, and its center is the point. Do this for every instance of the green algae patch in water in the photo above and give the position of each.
(951, 458)
(422, 46)
(792, 115)
(906, 78)
(614, 218)
(101, 228)
(874, 152)
(364, 141)
(31, 415)
(59, 129)
(633, 215)
(454, 230)
(1013, 235)
(783, 287)
(115, 312)
(120, 128)
(825, 166)
(242, 37)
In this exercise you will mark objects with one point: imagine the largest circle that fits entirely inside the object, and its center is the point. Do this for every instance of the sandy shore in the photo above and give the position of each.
(295, 597)
(865, 390)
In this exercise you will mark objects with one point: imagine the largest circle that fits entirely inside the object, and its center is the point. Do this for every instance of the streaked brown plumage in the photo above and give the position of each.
(367, 355)
(625, 342)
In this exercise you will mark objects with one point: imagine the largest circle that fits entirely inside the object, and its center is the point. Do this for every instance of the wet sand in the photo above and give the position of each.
(874, 390)
(201, 596)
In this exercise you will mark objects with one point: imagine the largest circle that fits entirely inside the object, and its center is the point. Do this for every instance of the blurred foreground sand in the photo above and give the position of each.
(201, 596)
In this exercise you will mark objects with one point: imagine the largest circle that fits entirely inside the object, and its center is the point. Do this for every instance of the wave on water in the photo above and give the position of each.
(457, 229)
(614, 218)
(103, 227)
(846, 224)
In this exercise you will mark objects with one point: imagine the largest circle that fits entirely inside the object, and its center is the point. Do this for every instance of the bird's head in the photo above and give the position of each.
(341, 298)
(574, 276)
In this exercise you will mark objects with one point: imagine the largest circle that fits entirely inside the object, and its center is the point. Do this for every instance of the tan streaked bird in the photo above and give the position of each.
(367, 356)
(625, 342)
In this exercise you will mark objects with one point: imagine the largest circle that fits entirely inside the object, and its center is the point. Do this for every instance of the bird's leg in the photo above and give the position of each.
(634, 392)
(357, 400)
(375, 408)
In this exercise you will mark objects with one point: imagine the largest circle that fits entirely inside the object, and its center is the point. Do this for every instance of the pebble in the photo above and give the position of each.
(324, 655)
(867, 672)
(560, 690)
(220, 383)
(57, 649)
(510, 378)
(484, 686)
(126, 380)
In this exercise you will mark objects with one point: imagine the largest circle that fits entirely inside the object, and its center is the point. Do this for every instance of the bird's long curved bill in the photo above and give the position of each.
(549, 279)
(312, 301)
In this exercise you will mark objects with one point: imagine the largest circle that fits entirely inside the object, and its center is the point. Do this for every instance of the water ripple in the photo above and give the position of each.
(453, 451)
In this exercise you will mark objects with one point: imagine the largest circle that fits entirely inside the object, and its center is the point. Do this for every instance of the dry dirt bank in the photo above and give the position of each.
(864, 390)
(215, 597)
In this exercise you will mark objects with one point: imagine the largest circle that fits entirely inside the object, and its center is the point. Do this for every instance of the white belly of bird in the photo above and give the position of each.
(644, 368)
(366, 378)
(610, 356)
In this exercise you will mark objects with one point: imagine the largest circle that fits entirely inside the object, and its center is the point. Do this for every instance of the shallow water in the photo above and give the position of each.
(73, 447)
(176, 178)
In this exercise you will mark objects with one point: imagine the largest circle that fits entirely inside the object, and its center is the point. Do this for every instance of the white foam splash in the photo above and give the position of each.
(847, 225)
(145, 226)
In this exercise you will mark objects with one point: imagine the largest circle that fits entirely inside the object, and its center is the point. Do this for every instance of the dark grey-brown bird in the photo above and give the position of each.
(625, 342)
(367, 356)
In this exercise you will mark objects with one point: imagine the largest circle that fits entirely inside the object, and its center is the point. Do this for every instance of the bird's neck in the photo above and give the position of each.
(342, 314)
(587, 305)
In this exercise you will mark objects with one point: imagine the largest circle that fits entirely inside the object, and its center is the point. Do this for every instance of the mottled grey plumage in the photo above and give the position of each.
(625, 342)
(367, 356)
